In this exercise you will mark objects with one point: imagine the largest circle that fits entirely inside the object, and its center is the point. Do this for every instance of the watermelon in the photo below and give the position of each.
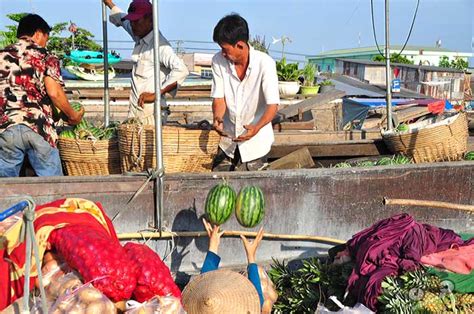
(68, 134)
(250, 206)
(76, 106)
(220, 203)
(469, 155)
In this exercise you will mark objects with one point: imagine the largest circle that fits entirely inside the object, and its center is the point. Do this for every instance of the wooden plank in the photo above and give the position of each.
(408, 114)
(299, 159)
(303, 125)
(324, 136)
(402, 116)
(310, 103)
(334, 149)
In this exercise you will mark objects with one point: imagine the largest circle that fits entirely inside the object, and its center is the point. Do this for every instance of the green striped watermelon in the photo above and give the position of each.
(68, 134)
(469, 155)
(250, 206)
(220, 203)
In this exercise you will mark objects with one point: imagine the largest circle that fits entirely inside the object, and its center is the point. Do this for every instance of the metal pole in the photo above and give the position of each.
(388, 74)
(157, 112)
(106, 65)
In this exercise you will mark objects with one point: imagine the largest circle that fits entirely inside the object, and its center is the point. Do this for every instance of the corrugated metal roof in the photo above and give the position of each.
(412, 66)
(354, 87)
(373, 49)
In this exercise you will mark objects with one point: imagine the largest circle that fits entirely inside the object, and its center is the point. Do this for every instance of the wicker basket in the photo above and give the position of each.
(89, 158)
(184, 150)
(431, 140)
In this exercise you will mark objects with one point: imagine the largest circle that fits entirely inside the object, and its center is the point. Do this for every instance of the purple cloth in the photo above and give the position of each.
(390, 247)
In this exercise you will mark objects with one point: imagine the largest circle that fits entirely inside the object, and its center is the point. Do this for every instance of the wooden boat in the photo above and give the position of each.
(333, 202)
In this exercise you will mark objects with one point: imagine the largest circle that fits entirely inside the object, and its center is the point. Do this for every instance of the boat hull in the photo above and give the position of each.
(333, 203)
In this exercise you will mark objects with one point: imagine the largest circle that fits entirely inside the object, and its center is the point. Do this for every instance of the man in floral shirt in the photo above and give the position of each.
(30, 85)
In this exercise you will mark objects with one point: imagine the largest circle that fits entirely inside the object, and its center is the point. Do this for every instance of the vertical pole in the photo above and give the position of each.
(106, 65)
(157, 112)
(388, 70)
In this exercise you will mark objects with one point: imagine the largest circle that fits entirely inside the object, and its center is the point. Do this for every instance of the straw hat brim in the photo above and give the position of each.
(221, 291)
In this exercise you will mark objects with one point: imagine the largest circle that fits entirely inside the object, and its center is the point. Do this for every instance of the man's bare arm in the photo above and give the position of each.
(218, 110)
(59, 99)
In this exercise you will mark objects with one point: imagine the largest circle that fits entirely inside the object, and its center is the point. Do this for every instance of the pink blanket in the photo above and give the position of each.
(457, 259)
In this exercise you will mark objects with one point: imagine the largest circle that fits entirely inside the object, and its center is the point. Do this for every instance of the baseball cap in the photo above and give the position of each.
(138, 9)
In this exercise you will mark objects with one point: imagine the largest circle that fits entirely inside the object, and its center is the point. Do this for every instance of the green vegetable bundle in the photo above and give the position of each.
(87, 131)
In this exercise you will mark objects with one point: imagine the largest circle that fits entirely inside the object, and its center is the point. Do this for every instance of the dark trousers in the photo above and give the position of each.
(222, 162)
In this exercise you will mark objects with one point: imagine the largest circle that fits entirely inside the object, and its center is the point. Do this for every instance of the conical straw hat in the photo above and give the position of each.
(221, 291)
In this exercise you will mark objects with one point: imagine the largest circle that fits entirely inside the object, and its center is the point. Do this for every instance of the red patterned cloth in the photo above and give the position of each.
(23, 97)
(48, 217)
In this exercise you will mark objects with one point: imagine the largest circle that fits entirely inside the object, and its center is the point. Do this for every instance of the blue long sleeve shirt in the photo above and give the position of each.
(212, 263)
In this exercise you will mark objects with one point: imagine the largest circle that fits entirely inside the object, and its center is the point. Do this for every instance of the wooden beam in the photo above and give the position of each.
(290, 136)
(300, 125)
(332, 149)
(310, 103)
(299, 159)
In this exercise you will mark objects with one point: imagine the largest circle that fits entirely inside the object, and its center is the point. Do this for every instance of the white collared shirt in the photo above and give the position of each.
(172, 68)
(246, 101)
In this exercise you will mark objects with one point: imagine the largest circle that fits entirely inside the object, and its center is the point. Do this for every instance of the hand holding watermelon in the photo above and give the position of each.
(214, 234)
(251, 247)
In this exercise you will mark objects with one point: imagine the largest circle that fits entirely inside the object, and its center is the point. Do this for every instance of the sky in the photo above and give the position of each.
(313, 26)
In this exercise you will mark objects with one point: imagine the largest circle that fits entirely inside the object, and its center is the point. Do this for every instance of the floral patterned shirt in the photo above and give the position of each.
(23, 97)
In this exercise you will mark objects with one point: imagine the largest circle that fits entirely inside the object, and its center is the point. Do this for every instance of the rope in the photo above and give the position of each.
(28, 218)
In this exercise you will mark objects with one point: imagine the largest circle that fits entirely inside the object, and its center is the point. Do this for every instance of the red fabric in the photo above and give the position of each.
(154, 277)
(50, 216)
(458, 259)
(437, 107)
(390, 247)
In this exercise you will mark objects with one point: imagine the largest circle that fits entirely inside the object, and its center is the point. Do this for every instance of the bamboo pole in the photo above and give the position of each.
(410, 202)
(198, 234)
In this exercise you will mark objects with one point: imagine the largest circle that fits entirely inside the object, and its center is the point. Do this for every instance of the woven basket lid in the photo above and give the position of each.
(221, 291)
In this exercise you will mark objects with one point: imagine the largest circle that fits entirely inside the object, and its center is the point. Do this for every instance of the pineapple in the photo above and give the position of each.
(465, 302)
(432, 303)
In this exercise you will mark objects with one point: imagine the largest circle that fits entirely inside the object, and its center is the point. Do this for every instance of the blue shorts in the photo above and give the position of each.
(19, 141)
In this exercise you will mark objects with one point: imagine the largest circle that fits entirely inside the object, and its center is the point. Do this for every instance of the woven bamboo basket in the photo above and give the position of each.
(184, 150)
(431, 140)
(89, 158)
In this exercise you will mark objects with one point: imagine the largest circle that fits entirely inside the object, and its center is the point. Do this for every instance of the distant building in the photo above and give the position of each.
(430, 56)
(199, 63)
(431, 81)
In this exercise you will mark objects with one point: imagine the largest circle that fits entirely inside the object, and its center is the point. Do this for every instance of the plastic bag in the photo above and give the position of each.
(156, 305)
(357, 309)
(60, 284)
(8, 223)
(83, 299)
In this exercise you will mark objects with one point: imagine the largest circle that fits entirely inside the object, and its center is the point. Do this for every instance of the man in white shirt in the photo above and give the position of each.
(139, 24)
(245, 97)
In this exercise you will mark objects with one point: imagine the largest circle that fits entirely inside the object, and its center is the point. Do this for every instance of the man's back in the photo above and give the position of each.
(23, 96)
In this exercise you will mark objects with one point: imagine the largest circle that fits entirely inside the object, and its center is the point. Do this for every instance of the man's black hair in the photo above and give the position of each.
(231, 29)
(31, 23)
